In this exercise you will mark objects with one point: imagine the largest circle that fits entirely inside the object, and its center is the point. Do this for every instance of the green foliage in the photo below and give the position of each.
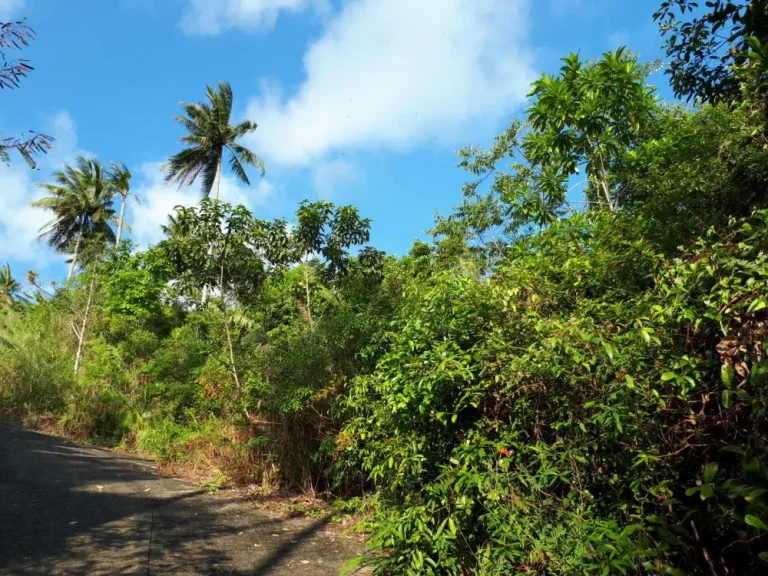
(35, 361)
(544, 389)
(328, 231)
(220, 248)
(693, 170)
(163, 437)
(586, 116)
(579, 121)
(551, 419)
(98, 412)
(707, 46)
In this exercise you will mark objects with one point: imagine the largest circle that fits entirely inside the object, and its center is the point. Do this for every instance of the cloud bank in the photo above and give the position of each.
(207, 17)
(391, 75)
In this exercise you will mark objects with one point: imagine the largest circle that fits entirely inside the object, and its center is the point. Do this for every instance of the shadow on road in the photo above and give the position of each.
(66, 509)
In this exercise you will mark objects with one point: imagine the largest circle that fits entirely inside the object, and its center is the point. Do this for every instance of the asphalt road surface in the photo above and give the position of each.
(70, 509)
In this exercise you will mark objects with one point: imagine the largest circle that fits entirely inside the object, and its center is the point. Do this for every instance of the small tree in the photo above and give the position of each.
(205, 237)
(219, 248)
(581, 120)
(93, 252)
(585, 117)
(326, 232)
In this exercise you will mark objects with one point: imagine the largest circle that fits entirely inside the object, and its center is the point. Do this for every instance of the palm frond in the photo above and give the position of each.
(208, 133)
(245, 127)
(209, 176)
(248, 157)
(222, 102)
(120, 177)
(81, 200)
(237, 168)
(183, 168)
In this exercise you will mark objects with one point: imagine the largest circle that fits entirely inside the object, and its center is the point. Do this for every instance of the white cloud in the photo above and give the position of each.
(158, 200)
(397, 73)
(19, 223)
(10, 9)
(215, 16)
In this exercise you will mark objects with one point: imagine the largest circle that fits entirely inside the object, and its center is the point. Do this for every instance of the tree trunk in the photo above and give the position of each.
(218, 174)
(231, 353)
(604, 183)
(120, 221)
(226, 322)
(81, 334)
(233, 365)
(306, 288)
(601, 173)
(77, 249)
(206, 288)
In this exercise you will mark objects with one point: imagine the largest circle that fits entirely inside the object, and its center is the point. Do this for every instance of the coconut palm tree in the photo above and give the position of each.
(120, 177)
(209, 135)
(81, 200)
(9, 287)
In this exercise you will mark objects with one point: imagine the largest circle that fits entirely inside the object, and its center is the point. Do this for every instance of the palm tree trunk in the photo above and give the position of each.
(120, 221)
(77, 249)
(218, 174)
(210, 248)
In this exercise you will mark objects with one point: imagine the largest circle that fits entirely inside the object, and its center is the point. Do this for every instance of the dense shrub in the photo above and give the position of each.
(571, 418)
(35, 361)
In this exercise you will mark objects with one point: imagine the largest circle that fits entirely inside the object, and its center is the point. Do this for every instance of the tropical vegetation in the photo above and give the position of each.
(569, 378)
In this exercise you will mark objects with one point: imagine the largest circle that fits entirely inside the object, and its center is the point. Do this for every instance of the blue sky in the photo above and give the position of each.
(360, 101)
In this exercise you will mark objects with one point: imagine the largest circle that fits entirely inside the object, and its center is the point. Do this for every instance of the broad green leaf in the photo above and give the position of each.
(755, 521)
(452, 526)
(727, 374)
(710, 471)
(756, 305)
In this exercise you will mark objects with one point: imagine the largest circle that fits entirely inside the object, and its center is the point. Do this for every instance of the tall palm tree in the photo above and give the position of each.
(81, 200)
(9, 287)
(209, 135)
(120, 177)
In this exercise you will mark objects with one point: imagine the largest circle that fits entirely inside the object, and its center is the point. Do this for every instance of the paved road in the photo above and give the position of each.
(69, 509)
